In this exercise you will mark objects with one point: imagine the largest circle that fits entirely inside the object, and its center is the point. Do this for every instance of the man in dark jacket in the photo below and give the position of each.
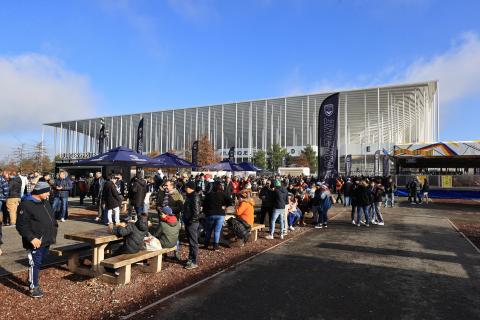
(96, 191)
(362, 199)
(38, 228)
(267, 196)
(347, 192)
(279, 204)
(191, 213)
(62, 185)
(133, 235)
(112, 199)
(136, 193)
(13, 199)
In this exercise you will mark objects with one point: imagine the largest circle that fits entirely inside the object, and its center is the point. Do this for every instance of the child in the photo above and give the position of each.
(133, 234)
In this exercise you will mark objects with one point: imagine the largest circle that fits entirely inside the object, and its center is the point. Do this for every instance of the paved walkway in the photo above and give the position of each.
(415, 267)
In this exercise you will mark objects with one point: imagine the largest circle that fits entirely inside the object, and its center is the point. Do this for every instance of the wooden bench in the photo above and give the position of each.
(124, 263)
(72, 252)
(254, 231)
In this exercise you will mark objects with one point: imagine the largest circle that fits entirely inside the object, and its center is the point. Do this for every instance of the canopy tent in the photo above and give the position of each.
(247, 166)
(170, 160)
(225, 165)
(119, 156)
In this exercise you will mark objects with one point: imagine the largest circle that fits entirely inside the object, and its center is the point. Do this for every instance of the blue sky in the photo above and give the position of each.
(63, 60)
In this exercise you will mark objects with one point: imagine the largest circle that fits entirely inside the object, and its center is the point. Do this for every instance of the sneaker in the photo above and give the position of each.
(367, 225)
(325, 226)
(291, 228)
(36, 292)
(318, 226)
(353, 222)
(97, 219)
(216, 247)
(412, 202)
(374, 222)
(62, 220)
(191, 266)
(381, 223)
(281, 236)
(358, 225)
(269, 237)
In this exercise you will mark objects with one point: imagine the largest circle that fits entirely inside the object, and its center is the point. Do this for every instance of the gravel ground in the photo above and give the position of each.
(69, 296)
(471, 229)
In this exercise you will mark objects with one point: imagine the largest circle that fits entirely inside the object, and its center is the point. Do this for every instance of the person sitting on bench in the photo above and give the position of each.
(243, 222)
(168, 227)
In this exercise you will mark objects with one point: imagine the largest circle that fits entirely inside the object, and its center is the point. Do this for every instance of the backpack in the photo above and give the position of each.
(327, 202)
(240, 228)
(317, 198)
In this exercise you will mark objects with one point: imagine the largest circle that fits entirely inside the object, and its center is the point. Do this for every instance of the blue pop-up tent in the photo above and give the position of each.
(247, 166)
(170, 160)
(225, 165)
(120, 156)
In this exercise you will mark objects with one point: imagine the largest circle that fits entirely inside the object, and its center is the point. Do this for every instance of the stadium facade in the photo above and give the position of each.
(370, 119)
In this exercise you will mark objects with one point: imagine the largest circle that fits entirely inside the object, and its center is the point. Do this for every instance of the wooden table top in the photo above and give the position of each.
(98, 236)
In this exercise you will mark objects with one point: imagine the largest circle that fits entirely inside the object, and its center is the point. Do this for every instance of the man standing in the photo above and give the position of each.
(170, 197)
(3, 194)
(63, 186)
(280, 202)
(38, 228)
(96, 191)
(13, 200)
(136, 193)
(191, 212)
(267, 196)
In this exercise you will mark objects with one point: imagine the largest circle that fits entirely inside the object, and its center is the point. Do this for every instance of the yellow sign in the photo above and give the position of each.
(446, 181)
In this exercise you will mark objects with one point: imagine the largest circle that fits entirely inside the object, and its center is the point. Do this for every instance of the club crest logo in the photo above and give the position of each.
(328, 109)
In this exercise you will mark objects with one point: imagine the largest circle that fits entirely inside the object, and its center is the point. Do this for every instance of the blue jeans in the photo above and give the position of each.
(213, 223)
(390, 197)
(60, 204)
(348, 201)
(316, 214)
(35, 258)
(139, 211)
(364, 210)
(293, 217)
(277, 213)
(324, 216)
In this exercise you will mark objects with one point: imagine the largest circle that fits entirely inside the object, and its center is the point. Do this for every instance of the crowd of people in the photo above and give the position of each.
(197, 204)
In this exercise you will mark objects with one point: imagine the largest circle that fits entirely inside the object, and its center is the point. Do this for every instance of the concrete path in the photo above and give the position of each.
(415, 267)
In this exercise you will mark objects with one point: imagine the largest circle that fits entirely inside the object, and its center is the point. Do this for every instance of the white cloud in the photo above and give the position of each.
(193, 10)
(458, 69)
(36, 89)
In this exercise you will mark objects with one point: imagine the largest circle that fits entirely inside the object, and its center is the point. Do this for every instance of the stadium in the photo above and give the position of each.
(370, 119)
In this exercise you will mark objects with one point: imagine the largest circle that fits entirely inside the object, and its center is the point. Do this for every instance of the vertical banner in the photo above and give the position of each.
(376, 164)
(348, 165)
(139, 148)
(231, 154)
(327, 138)
(386, 165)
(195, 153)
(101, 140)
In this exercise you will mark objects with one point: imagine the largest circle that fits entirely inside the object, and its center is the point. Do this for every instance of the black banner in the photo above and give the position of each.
(139, 148)
(348, 165)
(327, 138)
(195, 153)
(376, 164)
(386, 165)
(231, 154)
(101, 140)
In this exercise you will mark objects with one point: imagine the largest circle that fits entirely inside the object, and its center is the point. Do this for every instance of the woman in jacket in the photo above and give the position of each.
(214, 206)
(112, 199)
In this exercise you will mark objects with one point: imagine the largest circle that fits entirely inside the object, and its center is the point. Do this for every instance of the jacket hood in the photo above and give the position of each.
(249, 201)
(28, 197)
(141, 225)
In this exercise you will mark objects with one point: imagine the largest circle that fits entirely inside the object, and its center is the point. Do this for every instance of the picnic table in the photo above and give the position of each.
(98, 239)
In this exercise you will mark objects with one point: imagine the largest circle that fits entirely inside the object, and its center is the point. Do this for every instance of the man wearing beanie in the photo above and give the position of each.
(191, 213)
(37, 225)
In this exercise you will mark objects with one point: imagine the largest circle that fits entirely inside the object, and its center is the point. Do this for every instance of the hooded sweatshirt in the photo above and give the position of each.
(245, 210)
(36, 220)
(167, 232)
(133, 234)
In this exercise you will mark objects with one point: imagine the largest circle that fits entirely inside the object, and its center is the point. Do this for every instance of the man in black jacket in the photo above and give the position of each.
(191, 213)
(279, 204)
(267, 195)
(136, 193)
(37, 225)
(13, 200)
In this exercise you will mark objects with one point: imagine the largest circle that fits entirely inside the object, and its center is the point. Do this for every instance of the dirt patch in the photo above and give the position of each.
(471, 229)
